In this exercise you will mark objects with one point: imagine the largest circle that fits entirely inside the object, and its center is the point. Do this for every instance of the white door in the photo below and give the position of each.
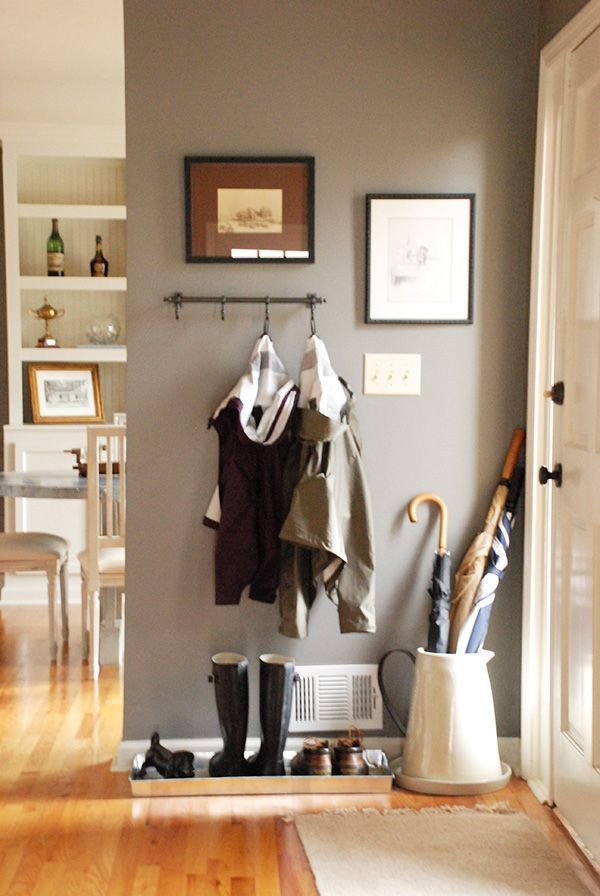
(576, 445)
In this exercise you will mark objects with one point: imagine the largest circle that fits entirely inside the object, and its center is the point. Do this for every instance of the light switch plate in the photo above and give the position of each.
(392, 374)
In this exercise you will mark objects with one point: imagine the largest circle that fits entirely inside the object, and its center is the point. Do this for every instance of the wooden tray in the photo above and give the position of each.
(379, 780)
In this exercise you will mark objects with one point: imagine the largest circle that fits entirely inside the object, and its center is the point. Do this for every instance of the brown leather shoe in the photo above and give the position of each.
(348, 757)
(313, 759)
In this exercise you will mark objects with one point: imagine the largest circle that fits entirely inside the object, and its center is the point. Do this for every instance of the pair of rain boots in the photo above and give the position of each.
(230, 677)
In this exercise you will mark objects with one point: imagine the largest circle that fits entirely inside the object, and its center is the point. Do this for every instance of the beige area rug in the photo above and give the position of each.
(442, 852)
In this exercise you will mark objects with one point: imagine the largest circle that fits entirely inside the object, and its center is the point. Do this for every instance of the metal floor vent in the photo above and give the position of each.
(332, 698)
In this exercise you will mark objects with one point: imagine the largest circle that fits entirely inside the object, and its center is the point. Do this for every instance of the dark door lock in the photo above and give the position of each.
(556, 393)
(544, 475)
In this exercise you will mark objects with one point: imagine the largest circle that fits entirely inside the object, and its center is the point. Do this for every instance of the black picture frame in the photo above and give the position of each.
(249, 209)
(419, 258)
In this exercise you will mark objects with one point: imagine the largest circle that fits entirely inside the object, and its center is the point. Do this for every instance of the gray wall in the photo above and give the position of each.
(388, 97)
(554, 15)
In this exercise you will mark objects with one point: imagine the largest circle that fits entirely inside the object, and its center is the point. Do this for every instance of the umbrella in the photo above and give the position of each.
(474, 631)
(439, 588)
(473, 564)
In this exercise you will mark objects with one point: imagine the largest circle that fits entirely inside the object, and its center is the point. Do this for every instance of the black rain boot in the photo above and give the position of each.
(276, 690)
(230, 675)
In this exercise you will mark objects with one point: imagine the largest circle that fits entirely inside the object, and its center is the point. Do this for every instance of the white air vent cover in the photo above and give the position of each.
(332, 698)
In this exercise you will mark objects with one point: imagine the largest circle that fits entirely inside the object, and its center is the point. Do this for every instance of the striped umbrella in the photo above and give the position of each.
(473, 565)
(474, 630)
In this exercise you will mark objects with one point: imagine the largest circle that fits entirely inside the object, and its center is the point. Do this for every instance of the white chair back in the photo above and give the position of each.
(107, 494)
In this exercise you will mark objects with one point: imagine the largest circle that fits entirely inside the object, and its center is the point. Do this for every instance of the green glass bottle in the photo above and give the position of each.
(99, 264)
(56, 252)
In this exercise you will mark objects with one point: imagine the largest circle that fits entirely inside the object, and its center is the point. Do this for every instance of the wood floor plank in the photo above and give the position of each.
(243, 886)
(295, 875)
(205, 885)
(51, 879)
(129, 850)
(70, 826)
(26, 873)
(10, 860)
(145, 881)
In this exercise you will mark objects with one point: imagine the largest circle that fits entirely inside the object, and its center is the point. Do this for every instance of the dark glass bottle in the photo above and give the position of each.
(56, 252)
(99, 264)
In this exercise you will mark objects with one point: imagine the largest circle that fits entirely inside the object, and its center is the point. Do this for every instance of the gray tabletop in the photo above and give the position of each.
(44, 485)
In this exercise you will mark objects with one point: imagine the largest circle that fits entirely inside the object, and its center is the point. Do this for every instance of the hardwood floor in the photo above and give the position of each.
(69, 825)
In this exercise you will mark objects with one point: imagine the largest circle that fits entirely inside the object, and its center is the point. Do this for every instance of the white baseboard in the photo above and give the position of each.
(31, 589)
(510, 752)
(16, 600)
(540, 791)
(10, 598)
(509, 748)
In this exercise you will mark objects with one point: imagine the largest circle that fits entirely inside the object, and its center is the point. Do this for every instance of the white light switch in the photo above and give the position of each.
(392, 374)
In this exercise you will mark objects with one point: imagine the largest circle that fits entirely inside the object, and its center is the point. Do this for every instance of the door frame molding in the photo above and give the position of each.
(539, 623)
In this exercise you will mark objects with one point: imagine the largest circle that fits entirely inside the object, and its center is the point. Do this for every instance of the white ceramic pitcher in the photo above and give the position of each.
(451, 744)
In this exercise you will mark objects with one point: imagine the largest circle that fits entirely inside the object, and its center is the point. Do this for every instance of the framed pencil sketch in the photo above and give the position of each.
(65, 393)
(249, 209)
(420, 258)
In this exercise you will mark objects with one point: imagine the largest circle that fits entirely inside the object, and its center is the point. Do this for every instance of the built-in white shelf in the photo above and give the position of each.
(109, 212)
(78, 177)
(91, 353)
(75, 174)
(82, 284)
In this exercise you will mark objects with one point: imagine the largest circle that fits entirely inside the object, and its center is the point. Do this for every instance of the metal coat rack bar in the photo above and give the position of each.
(177, 300)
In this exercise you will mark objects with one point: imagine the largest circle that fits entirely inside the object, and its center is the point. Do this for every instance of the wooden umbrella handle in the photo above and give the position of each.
(512, 456)
(433, 499)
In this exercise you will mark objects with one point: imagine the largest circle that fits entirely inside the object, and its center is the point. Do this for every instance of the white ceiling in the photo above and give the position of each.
(62, 61)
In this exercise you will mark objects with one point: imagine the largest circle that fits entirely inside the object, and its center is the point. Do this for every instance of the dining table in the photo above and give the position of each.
(67, 484)
(47, 484)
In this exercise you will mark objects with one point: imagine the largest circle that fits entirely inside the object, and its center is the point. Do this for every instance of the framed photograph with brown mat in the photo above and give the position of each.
(249, 209)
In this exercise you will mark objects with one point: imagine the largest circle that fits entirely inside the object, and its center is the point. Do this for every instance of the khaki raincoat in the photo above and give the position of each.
(328, 532)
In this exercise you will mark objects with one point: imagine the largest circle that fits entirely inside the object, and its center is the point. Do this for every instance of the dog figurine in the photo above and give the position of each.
(179, 764)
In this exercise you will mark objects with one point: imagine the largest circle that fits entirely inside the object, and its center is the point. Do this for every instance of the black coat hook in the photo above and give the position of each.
(313, 323)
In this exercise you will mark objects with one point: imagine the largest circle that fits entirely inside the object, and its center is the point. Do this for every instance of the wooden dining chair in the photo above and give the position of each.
(40, 551)
(103, 560)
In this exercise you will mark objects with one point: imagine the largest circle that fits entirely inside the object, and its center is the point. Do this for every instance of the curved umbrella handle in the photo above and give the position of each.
(433, 499)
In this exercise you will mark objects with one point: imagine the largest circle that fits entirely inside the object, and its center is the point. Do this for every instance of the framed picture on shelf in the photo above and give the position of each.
(420, 258)
(65, 393)
(249, 209)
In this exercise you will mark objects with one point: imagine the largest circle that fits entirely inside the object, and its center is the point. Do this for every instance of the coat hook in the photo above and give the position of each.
(177, 301)
(267, 318)
(313, 325)
(223, 300)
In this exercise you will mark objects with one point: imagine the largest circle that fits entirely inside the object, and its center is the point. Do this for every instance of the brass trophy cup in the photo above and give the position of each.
(47, 313)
